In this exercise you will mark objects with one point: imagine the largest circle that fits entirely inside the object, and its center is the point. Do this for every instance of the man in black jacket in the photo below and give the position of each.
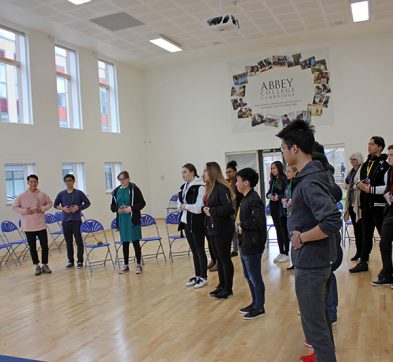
(372, 202)
(385, 277)
(315, 222)
(251, 228)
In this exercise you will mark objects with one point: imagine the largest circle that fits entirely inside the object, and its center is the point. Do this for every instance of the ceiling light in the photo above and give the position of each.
(166, 44)
(79, 2)
(360, 10)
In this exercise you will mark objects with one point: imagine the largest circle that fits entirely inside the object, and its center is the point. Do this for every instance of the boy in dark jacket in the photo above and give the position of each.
(315, 222)
(251, 228)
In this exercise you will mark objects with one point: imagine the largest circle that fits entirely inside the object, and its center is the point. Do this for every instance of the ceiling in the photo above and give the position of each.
(183, 21)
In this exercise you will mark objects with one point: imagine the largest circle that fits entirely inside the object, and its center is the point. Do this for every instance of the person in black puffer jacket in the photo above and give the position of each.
(251, 228)
(219, 207)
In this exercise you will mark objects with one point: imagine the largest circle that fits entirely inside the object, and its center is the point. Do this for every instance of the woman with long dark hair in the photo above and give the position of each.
(277, 186)
(219, 201)
(127, 203)
(192, 220)
(231, 179)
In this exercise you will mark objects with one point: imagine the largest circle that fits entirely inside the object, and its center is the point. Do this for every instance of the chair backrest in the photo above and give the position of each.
(91, 226)
(59, 216)
(147, 220)
(340, 206)
(114, 224)
(173, 218)
(267, 209)
(50, 219)
(174, 198)
(8, 227)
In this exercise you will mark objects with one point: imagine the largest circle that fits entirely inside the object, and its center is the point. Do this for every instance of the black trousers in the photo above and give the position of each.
(211, 251)
(280, 224)
(137, 249)
(197, 246)
(221, 245)
(385, 245)
(32, 240)
(72, 229)
(371, 219)
(357, 229)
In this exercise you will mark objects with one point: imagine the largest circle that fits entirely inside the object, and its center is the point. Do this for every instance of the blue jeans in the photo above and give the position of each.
(253, 274)
(333, 298)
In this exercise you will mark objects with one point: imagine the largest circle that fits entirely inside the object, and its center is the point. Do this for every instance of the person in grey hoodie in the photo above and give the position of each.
(315, 223)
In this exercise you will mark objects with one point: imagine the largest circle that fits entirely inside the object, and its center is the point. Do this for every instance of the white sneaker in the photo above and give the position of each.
(191, 282)
(277, 258)
(200, 283)
(138, 269)
(283, 259)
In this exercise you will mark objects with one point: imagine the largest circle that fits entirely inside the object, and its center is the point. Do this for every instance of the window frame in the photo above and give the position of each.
(112, 96)
(22, 74)
(78, 170)
(73, 93)
(116, 168)
(28, 169)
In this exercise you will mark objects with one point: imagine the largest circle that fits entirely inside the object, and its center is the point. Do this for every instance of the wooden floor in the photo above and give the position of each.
(102, 316)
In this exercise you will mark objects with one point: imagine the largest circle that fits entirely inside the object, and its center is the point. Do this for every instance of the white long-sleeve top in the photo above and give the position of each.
(193, 208)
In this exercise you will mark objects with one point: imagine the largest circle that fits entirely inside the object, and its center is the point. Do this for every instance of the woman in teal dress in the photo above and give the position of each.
(127, 203)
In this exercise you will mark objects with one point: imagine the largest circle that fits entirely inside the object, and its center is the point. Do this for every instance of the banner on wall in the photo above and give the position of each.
(272, 91)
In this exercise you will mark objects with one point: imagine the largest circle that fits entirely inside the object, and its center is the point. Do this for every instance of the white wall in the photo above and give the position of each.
(189, 114)
(47, 145)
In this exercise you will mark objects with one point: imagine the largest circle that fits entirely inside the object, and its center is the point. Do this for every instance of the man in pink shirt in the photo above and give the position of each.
(32, 205)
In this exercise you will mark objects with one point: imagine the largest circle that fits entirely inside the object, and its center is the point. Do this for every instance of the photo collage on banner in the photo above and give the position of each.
(277, 89)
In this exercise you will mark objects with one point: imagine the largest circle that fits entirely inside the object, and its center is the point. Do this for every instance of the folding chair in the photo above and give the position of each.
(9, 252)
(8, 227)
(117, 243)
(149, 221)
(269, 226)
(173, 218)
(89, 228)
(51, 222)
(340, 207)
(172, 206)
(346, 234)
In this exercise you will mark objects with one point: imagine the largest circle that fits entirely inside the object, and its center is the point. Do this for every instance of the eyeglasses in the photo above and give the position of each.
(122, 179)
(287, 148)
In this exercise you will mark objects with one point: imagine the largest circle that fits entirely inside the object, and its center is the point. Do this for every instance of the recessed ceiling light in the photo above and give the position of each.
(360, 10)
(79, 2)
(166, 44)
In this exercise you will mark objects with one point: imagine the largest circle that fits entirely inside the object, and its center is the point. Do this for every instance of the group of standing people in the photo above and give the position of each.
(32, 205)
(209, 208)
(127, 203)
(369, 187)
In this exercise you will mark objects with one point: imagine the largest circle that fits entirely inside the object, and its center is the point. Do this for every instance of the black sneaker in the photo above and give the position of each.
(382, 281)
(214, 292)
(79, 265)
(247, 309)
(223, 294)
(38, 270)
(69, 266)
(254, 314)
(361, 267)
(45, 269)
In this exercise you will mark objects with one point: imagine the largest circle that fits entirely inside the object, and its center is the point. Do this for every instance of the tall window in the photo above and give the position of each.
(67, 81)
(112, 169)
(15, 179)
(108, 97)
(14, 85)
(78, 170)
